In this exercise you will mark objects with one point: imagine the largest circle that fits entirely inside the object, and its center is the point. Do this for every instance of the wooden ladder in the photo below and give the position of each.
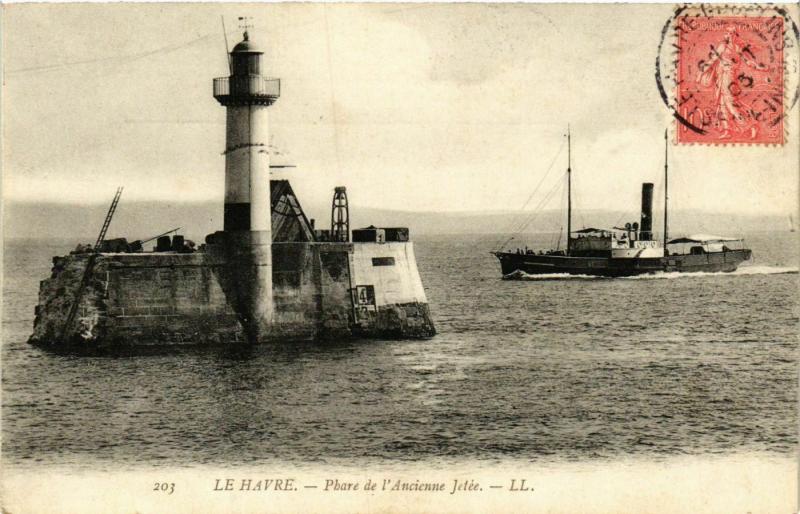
(73, 310)
(107, 221)
(87, 273)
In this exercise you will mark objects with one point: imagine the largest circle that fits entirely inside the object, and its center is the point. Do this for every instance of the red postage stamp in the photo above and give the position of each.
(730, 79)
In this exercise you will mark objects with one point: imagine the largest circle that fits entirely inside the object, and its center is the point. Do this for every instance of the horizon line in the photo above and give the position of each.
(8, 201)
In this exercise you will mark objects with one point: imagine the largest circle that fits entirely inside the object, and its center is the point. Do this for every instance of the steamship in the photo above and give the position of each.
(629, 250)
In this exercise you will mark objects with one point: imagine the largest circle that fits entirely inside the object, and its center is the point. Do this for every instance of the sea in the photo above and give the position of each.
(535, 370)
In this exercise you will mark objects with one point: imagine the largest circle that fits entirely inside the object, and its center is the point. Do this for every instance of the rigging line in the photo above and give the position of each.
(166, 49)
(550, 167)
(558, 185)
(227, 52)
(536, 211)
(527, 221)
(541, 181)
(124, 59)
(538, 186)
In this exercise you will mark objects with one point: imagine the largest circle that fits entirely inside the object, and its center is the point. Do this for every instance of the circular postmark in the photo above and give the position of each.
(729, 74)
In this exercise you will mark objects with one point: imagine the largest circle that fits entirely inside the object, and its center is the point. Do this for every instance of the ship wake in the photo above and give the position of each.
(521, 275)
(745, 270)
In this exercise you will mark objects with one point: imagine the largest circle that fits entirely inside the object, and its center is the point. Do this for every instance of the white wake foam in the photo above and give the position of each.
(521, 275)
(744, 270)
(764, 270)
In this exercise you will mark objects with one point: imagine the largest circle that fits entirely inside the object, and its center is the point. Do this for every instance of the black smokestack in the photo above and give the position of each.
(646, 227)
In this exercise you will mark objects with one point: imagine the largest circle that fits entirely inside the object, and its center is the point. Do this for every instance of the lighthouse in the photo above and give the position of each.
(267, 276)
(246, 95)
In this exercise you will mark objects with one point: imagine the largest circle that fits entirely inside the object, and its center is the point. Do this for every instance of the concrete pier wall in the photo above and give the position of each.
(171, 298)
(392, 269)
(147, 298)
(389, 300)
(311, 290)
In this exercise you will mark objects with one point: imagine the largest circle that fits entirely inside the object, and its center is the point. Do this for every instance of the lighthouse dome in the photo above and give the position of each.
(246, 46)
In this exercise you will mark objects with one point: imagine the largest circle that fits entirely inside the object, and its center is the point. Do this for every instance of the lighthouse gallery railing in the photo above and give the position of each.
(255, 85)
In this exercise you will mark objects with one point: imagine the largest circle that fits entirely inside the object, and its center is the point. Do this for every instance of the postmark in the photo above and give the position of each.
(729, 73)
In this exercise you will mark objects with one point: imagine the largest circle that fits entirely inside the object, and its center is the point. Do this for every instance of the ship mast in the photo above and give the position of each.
(666, 189)
(569, 191)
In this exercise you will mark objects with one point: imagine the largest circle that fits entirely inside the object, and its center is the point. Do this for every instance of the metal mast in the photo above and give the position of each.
(227, 52)
(666, 189)
(569, 190)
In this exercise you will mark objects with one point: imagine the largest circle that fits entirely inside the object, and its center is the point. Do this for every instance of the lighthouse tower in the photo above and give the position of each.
(247, 95)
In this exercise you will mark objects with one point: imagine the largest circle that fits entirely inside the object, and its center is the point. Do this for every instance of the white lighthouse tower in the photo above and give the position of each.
(247, 95)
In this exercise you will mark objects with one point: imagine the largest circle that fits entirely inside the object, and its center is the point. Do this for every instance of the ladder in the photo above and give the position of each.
(73, 310)
(107, 222)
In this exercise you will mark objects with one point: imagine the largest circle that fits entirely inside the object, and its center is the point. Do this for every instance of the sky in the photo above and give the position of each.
(421, 107)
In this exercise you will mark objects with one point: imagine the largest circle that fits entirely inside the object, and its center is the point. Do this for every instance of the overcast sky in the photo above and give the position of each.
(415, 107)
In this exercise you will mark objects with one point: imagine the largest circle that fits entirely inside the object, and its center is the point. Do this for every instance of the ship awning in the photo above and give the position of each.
(703, 239)
(590, 230)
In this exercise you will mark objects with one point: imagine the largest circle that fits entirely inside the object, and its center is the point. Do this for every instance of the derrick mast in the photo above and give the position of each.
(340, 216)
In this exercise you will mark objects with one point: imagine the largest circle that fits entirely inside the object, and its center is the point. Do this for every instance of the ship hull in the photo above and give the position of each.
(620, 267)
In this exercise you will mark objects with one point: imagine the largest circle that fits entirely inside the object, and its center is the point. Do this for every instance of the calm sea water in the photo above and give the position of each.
(533, 370)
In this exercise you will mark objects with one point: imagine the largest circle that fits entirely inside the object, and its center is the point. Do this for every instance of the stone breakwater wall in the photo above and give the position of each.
(171, 298)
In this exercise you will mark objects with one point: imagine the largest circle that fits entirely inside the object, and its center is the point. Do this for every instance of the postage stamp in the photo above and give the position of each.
(729, 74)
(730, 79)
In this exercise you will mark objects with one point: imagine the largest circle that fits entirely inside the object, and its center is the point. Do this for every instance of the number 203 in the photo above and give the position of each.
(165, 487)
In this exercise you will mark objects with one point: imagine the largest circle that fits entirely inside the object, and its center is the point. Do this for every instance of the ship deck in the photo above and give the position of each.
(616, 267)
